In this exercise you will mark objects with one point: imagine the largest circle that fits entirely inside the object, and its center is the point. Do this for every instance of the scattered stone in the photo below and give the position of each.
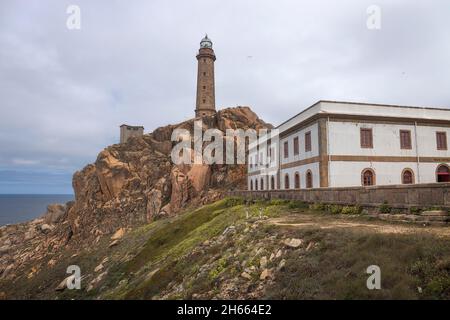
(246, 275)
(419, 289)
(310, 246)
(230, 229)
(105, 260)
(272, 256)
(118, 234)
(51, 262)
(293, 243)
(98, 268)
(32, 272)
(282, 264)
(54, 213)
(265, 274)
(46, 228)
(63, 285)
(123, 282)
(114, 243)
(30, 234)
(278, 254)
(263, 262)
(206, 243)
(96, 281)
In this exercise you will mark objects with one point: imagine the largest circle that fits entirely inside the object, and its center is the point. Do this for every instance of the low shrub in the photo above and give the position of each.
(415, 210)
(234, 201)
(334, 208)
(317, 206)
(297, 204)
(351, 210)
(278, 202)
(385, 208)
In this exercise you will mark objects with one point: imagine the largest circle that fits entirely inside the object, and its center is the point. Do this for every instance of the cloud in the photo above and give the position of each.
(64, 93)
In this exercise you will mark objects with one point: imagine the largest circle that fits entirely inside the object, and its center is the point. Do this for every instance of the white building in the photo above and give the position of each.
(343, 144)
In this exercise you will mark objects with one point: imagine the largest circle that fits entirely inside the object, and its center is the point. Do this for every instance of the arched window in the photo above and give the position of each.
(368, 177)
(407, 176)
(262, 184)
(309, 179)
(272, 183)
(251, 184)
(297, 180)
(256, 184)
(443, 173)
(286, 181)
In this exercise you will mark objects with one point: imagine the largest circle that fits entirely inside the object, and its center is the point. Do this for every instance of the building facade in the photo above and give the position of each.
(127, 131)
(206, 98)
(342, 144)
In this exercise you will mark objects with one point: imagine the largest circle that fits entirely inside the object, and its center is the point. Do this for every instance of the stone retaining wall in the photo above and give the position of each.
(397, 196)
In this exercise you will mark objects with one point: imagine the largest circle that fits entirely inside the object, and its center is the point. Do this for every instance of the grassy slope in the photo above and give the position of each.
(187, 256)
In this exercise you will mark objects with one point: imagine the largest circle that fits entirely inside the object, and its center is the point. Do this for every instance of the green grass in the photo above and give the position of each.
(166, 238)
(337, 270)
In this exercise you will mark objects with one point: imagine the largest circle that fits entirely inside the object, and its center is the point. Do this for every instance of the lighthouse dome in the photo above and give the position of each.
(206, 42)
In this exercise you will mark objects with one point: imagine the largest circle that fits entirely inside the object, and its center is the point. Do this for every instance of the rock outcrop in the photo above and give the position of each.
(128, 185)
(136, 182)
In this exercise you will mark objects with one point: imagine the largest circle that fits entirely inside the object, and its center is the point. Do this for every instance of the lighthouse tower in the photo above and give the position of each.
(206, 100)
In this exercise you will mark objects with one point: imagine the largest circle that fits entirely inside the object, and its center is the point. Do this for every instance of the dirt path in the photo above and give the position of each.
(330, 222)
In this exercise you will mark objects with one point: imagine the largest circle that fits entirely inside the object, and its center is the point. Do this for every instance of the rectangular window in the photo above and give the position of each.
(261, 159)
(405, 139)
(366, 138)
(251, 162)
(256, 160)
(441, 140)
(296, 146)
(308, 141)
(286, 149)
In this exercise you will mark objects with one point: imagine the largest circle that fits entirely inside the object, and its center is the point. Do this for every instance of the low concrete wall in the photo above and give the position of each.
(397, 196)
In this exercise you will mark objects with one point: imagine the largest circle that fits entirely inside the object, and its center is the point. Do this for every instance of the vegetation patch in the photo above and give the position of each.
(385, 208)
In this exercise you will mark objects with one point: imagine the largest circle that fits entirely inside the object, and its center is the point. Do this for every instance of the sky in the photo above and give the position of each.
(65, 92)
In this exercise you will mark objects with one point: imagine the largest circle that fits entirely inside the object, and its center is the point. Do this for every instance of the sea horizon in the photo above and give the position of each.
(22, 207)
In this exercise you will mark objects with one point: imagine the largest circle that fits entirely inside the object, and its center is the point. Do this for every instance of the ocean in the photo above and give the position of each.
(15, 208)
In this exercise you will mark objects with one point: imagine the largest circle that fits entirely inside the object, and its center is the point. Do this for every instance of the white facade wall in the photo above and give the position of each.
(426, 135)
(348, 174)
(314, 129)
(303, 155)
(344, 139)
(314, 167)
(264, 168)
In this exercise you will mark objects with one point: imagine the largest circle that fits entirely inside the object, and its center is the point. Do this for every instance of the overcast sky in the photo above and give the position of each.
(64, 93)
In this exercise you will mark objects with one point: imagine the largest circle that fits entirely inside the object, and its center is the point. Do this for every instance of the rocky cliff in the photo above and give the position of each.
(128, 185)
